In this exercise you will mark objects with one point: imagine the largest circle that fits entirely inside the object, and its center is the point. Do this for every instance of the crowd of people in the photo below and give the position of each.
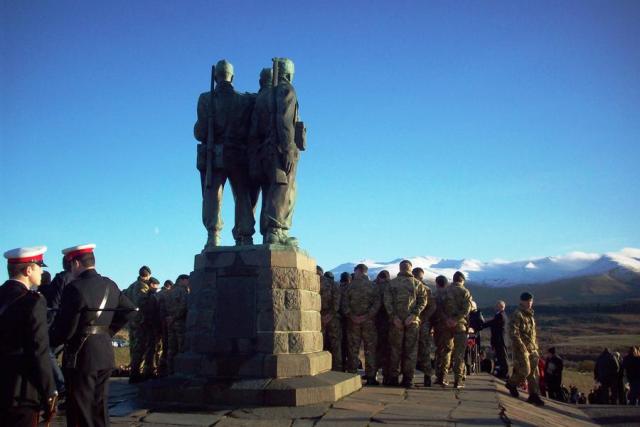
(401, 322)
(403, 325)
(77, 313)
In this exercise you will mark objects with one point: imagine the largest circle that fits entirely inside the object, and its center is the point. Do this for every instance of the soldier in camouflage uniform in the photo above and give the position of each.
(457, 305)
(442, 337)
(138, 293)
(382, 325)
(151, 326)
(404, 300)
(425, 340)
(360, 305)
(522, 330)
(330, 312)
(176, 309)
(345, 281)
(161, 298)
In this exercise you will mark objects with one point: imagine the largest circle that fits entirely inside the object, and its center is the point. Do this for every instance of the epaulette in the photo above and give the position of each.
(34, 294)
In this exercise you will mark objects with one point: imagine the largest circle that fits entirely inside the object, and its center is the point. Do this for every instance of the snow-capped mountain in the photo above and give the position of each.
(499, 273)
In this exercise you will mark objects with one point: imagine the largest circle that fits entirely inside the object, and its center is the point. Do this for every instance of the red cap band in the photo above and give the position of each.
(71, 255)
(26, 260)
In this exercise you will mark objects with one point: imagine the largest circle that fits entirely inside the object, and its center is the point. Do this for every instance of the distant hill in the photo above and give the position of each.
(575, 278)
(597, 289)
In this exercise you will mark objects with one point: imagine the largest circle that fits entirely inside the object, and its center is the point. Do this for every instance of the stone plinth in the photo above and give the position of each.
(254, 333)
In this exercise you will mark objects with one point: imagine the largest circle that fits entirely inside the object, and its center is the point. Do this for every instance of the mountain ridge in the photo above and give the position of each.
(623, 266)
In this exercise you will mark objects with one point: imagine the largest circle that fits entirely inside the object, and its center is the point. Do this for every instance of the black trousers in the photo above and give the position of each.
(87, 397)
(19, 416)
(502, 365)
(554, 388)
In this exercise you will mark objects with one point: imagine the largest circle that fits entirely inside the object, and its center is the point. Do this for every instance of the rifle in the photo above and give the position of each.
(280, 174)
(208, 181)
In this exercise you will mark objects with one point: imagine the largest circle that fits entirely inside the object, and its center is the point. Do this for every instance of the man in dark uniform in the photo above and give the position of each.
(91, 311)
(26, 378)
(53, 293)
(497, 325)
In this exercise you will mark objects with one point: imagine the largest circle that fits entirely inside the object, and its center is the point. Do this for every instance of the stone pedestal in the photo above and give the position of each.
(254, 333)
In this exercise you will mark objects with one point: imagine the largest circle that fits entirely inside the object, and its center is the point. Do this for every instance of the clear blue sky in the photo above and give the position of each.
(456, 129)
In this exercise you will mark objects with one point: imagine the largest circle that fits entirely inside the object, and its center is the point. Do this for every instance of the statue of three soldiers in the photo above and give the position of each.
(254, 141)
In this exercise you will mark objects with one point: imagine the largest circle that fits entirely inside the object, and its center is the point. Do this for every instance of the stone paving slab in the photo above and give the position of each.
(186, 419)
(344, 417)
(483, 402)
(235, 422)
(620, 416)
(520, 413)
(281, 412)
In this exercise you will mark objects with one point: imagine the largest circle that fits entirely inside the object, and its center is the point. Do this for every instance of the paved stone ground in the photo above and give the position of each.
(483, 402)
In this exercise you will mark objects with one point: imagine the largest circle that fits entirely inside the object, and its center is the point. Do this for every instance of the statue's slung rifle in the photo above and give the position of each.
(210, 132)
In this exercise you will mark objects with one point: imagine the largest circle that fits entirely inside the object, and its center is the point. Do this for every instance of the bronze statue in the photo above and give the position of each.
(276, 139)
(254, 140)
(222, 128)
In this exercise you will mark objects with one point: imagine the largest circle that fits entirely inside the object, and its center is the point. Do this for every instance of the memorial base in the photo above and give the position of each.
(295, 391)
(253, 334)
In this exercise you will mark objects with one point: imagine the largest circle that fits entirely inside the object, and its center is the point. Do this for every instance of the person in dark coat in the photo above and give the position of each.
(53, 293)
(92, 310)
(631, 366)
(606, 373)
(26, 376)
(498, 341)
(553, 375)
(621, 394)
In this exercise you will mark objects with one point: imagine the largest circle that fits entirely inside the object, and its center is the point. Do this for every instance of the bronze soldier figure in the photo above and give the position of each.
(222, 128)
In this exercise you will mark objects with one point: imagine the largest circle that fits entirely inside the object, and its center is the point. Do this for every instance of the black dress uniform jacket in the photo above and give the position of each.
(88, 291)
(26, 376)
(497, 325)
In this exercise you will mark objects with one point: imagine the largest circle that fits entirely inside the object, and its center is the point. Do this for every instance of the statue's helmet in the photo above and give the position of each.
(266, 74)
(285, 66)
(224, 68)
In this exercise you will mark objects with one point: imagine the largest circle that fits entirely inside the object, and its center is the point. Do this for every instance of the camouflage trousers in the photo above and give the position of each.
(525, 367)
(444, 345)
(458, 366)
(403, 350)
(425, 348)
(164, 344)
(140, 343)
(357, 334)
(382, 352)
(176, 332)
(332, 335)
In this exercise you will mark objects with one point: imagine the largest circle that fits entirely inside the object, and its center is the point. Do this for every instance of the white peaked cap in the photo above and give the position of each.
(32, 254)
(73, 251)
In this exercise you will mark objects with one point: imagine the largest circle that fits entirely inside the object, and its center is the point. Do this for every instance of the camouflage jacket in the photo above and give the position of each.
(522, 330)
(138, 293)
(176, 303)
(439, 316)
(330, 296)
(430, 309)
(405, 295)
(361, 297)
(457, 305)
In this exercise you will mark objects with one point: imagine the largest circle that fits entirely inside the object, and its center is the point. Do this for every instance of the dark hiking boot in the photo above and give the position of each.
(372, 381)
(513, 390)
(534, 399)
